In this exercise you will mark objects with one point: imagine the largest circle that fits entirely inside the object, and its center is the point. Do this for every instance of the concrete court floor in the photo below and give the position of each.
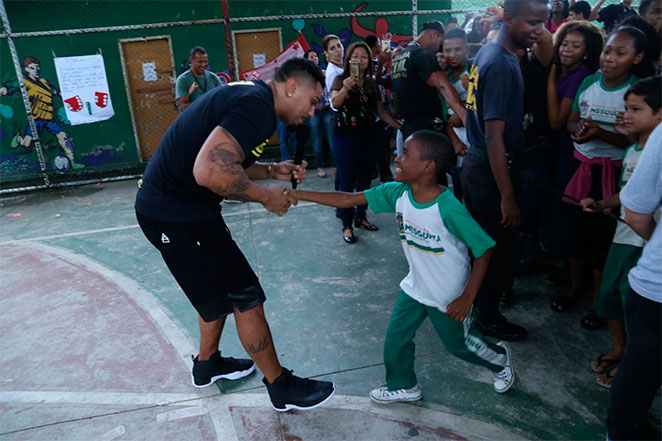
(96, 338)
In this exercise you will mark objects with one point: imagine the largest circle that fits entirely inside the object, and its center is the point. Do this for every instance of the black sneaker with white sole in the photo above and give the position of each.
(205, 373)
(289, 392)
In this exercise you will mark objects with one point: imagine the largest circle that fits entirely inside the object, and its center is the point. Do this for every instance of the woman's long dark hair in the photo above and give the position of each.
(350, 50)
(592, 39)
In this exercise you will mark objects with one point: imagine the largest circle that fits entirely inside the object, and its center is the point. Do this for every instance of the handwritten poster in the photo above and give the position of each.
(84, 88)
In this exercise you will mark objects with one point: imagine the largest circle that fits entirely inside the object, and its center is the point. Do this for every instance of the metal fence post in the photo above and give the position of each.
(414, 18)
(24, 93)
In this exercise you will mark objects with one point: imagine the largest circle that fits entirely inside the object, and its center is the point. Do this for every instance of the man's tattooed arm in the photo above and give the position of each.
(224, 160)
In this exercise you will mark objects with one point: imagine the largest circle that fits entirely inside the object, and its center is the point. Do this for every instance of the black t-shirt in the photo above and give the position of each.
(536, 123)
(169, 191)
(613, 14)
(496, 91)
(358, 109)
(411, 69)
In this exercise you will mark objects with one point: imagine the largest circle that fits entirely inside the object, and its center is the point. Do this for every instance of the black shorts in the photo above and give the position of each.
(208, 265)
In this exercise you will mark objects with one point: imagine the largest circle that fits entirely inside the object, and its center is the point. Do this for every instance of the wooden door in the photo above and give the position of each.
(262, 45)
(150, 77)
(258, 45)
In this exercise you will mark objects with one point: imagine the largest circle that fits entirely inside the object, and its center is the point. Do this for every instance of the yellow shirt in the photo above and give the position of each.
(41, 98)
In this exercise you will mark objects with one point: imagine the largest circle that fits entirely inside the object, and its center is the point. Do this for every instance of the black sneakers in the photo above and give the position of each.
(289, 392)
(206, 373)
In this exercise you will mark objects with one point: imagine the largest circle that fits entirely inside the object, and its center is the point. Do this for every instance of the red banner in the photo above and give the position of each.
(293, 50)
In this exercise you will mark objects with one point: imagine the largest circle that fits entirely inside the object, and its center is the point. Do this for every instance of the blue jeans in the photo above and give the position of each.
(355, 160)
(320, 125)
(288, 141)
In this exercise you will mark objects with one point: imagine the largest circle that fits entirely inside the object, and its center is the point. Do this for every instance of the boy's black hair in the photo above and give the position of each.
(456, 33)
(433, 146)
(371, 40)
(299, 68)
(198, 50)
(650, 89)
(582, 7)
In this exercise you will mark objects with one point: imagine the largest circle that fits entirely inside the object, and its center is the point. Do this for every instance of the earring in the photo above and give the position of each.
(289, 95)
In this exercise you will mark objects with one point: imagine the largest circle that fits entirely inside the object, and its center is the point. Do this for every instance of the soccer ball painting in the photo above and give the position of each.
(62, 164)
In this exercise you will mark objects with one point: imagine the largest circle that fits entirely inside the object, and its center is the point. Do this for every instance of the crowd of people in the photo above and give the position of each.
(547, 124)
(518, 135)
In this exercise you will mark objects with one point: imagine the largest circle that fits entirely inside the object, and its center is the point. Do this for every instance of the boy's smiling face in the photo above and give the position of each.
(409, 167)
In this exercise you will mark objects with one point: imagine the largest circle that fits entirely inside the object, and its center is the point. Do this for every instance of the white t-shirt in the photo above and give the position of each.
(643, 194)
(332, 71)
(436, 237)
(624, 233)
(602, 103)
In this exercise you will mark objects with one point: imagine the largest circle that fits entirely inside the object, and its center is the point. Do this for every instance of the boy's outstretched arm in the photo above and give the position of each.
(459, 308)
(337, 199)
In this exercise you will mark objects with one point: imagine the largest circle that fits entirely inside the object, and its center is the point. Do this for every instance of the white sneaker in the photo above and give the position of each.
(382, 395)
(504, 379)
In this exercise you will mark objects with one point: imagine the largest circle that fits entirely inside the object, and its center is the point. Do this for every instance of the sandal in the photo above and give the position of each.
(321, 173)
(562, 303)
(607, 378)
(348, 239)
(592, 321)
(600, 360)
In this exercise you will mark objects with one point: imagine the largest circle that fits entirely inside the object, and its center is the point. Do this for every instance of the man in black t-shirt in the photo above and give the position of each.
(612, 14)
(417, 77)
(495, 132)
(209, 153)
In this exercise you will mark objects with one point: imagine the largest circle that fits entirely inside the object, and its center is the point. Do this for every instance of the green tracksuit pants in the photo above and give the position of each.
(458, 338)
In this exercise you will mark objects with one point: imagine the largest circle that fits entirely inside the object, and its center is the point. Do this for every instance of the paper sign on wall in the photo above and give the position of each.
(84, 88)
(259, 60)
(149, 72)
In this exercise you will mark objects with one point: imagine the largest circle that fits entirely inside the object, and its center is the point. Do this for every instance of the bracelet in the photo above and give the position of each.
(270, 168)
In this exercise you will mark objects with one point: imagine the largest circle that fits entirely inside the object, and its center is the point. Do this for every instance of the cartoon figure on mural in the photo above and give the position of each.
(41, 94)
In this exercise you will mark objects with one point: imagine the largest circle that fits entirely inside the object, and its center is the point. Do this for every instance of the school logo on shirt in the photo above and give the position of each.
(420, 233)
(473, 87)
(257, 151)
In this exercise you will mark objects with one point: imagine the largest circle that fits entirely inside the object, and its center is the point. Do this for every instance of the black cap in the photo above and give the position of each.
(435, 25)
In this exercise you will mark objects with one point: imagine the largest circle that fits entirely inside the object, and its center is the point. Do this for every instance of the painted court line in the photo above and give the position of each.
(179, 414)
(112, 434)
(132, 226)
(121, 398)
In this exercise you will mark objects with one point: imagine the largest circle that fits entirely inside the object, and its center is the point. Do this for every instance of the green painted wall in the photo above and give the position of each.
(109, 147)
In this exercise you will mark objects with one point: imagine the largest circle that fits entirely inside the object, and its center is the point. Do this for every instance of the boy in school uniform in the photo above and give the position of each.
(437, 233)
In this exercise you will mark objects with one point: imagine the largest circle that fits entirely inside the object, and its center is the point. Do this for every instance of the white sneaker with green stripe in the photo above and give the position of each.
(382, 395)
(504, 379)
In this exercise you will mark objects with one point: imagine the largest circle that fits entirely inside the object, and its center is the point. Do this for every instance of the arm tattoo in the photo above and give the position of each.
(262, 346)
(226, 157)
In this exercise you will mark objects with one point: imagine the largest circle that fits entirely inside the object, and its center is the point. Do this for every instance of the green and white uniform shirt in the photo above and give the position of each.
(624, 234)
(436, 237)
(457, 84)
(602, 103)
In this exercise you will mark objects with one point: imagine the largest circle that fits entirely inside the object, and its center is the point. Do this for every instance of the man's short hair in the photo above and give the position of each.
(371, 40)
(451, 20)
(434, 25)
(515, 7)
(198, 50)
(649, 89)
(456, 33)
(433, 146)
(584, 8)
(299, 68)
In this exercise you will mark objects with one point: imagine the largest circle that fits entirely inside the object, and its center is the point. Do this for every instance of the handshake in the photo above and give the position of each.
(279, 199)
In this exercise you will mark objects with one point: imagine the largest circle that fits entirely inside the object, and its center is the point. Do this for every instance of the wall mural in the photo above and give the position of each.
(355, 30)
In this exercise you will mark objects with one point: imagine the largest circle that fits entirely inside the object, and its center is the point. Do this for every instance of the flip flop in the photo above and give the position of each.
(592, 321)
(609, 378)
(601, 360)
